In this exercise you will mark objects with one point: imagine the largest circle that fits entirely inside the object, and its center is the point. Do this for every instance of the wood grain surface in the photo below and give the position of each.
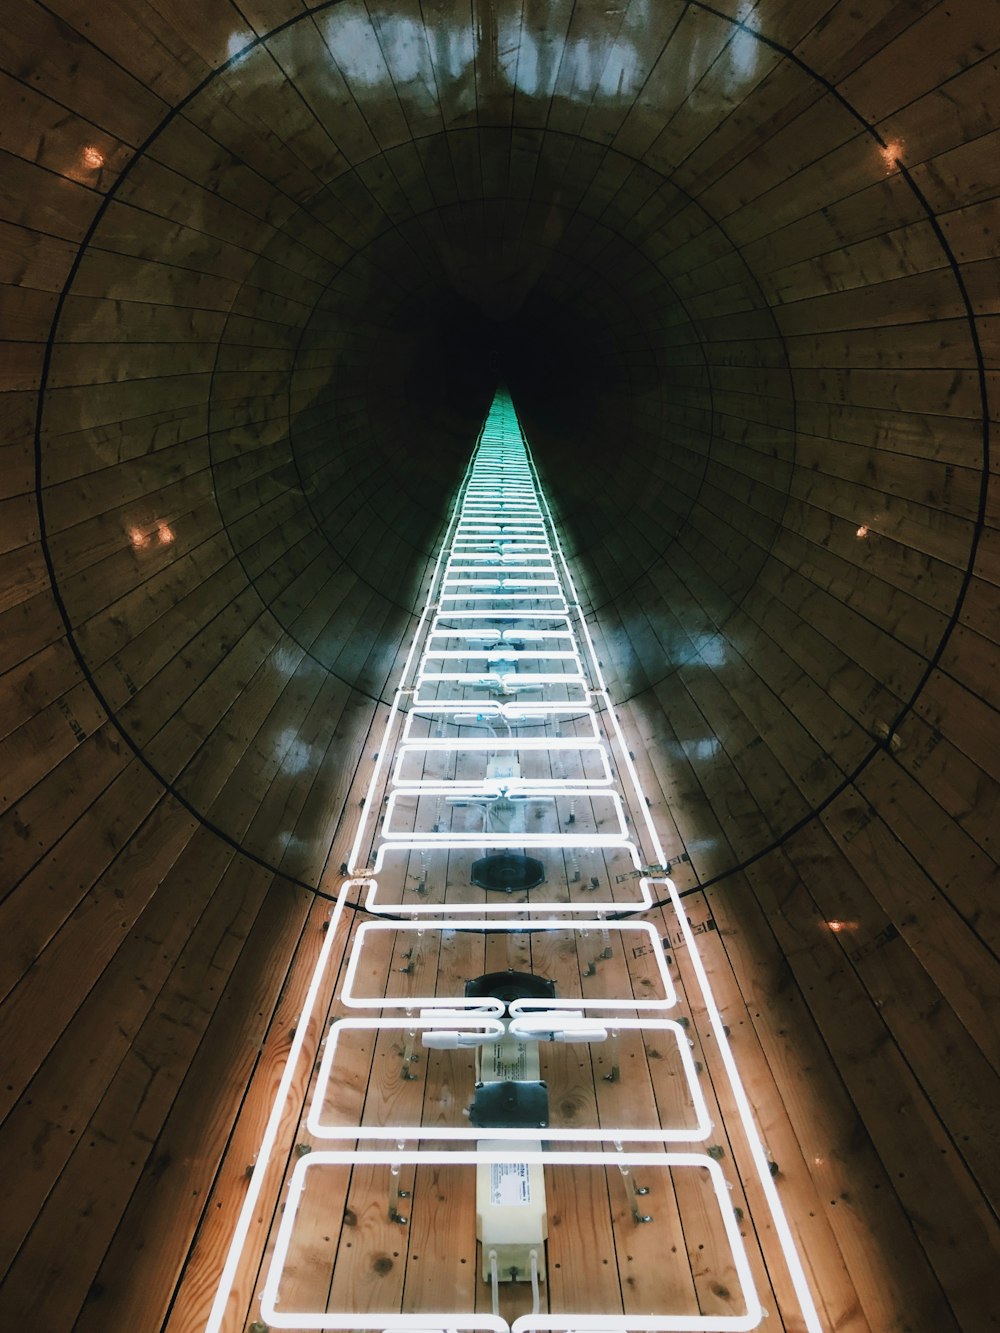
(261, 264)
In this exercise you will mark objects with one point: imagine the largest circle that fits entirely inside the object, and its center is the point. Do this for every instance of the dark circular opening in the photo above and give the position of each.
(510, 986)
(507, 872)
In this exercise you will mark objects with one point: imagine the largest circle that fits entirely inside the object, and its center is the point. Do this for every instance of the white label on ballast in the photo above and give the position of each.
(507, 1066)
(510, 1185)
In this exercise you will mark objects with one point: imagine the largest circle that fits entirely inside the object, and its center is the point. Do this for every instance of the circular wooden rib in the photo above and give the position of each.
(263, 269)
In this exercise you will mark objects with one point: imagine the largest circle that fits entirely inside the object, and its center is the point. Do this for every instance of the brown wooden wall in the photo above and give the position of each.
(743, 279)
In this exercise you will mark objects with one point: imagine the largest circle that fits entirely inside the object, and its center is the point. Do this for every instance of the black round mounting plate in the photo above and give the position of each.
(507, 872)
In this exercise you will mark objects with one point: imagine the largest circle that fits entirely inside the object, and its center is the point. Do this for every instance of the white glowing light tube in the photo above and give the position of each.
(567, 1027)
(578, 748)
(480, 1030)
(692, 1322)
(632, 934)
(642, 897)
(501, 584)
(521, 792)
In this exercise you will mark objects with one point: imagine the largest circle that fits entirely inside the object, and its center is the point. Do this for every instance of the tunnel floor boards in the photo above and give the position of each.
(598, 1257)
(359, 1259)
(873, 1096)
(381, 1241)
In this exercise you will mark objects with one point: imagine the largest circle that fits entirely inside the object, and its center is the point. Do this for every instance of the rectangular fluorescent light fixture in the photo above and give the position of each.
(277, 1316)
(677, 1062)
(501, 574)
(630, 935)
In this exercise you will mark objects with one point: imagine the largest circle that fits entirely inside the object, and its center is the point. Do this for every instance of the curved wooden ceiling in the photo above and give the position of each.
(263, 266)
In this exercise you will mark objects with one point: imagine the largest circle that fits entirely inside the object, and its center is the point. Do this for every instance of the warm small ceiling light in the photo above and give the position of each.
(138, 538)
(890, 154)
(166, 533)
(93, 158)
(862, 531)
(837, 926)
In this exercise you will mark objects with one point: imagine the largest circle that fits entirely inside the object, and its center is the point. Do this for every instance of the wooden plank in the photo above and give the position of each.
(239, 1138)
(197, 1129)
(859, 1027)
(441, 1268)
(103, 1023)
(80, 951)
(33, 914)
(582, 1273)
(82, 1212)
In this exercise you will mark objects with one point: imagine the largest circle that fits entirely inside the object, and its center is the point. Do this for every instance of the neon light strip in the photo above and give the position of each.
(525, 635)
(501, 655)
(510, 709)
(477, 838)
(469, 561)
(505, 597)
(489, 791)
(487, 580)
(516, 787)
(612, 1323)
(465, 564)
(498, 527)
(589, 904)
(519, 678)
(509, 535)
(655, 841)
(582, 750)
(490, 1006)
(321, 1129)
(519, 617)
(432, 911)
(506, 613)
(510, 743)
(486, 511)
(484, 712)
(572, 693)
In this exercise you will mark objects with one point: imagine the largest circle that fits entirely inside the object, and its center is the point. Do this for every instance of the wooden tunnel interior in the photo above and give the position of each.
(264, 263)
